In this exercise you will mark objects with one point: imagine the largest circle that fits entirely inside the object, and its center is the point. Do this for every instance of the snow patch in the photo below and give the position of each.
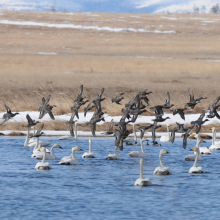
(82, 27)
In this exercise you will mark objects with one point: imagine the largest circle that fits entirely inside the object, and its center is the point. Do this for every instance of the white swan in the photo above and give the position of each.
(42, 165)
(193, 156)
(203, 150)
(89, 154)
(33, 142)
(70, 160)
(195, 169)
(168, 137)
(139, 153)
(162, 170)
(132, 139)
(215, 145)
(37, 146)
(113, 156)
(141, 181)
(49, 155)
(69, 137)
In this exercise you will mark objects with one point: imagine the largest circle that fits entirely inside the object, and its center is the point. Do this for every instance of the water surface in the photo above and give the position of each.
(100, 189)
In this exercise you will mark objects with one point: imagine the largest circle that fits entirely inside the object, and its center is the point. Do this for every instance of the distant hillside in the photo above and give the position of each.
(123, 6)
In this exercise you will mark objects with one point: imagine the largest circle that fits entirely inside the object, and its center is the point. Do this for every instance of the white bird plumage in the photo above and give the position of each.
(131, 139)
(195, 169)
(114, 156)
(49, 155)
(215, 145)
(32, 142)
(89, 154)
(139, 153)
(70, 160)
(192, 157)
(162, 170)
(141, 181)
(167, 137)
(43, 165)
(70, 137)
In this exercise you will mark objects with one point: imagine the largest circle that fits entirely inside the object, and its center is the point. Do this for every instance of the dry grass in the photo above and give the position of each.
(99, 59)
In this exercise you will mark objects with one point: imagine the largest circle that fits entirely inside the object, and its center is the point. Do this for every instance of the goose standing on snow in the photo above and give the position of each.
(215, 145)
(70, 160)
(139, 153)
(89, 154)
(162, 170)
(42, 165)
(195, 169)
(141, 181)
(168, 137)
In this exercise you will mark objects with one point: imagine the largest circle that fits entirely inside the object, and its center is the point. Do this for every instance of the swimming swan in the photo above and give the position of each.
(195, 169)
(89, 154)
(32, 143)
(141, 181)
(70, 160)
(37, 146)
(139, 153)
(168, 137)
(42, 165)
(132, 139)
(70, 137)
(192, 157)
(113, 156)
(162, 170)
(215, 145)
(49, 155)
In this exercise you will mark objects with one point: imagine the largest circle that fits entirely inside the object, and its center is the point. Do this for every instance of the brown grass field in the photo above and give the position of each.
(122, 61)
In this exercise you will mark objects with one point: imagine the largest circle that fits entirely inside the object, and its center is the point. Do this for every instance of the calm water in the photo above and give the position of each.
(100, 189)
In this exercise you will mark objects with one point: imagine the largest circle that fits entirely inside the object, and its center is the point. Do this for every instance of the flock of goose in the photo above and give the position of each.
(133, 108)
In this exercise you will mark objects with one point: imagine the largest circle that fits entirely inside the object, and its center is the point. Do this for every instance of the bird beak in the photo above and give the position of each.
(146, 139)
(60, 147)
(192, 149)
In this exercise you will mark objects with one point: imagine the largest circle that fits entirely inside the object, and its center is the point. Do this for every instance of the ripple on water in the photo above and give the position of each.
(100, 189)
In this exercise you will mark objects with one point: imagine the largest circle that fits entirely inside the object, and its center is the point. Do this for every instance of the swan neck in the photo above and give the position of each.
(213, 136)
(44, 157)
(116, 150)
(135, 136)
(195, 163)
(141, 168)
(198, 146)
(73, 155)
(27, 137)
(142, 147)
(76, 131)
(90, 146)
(34, 132)
(37, 143)
(51, 151)
(161, 161)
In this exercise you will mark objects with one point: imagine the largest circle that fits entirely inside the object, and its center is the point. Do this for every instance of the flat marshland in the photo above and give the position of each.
(44, 53)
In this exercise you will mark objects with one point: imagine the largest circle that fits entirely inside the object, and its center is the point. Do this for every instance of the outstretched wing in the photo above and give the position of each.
(191, 95)
(167, 99)
(8, 109)
(100, 93)
(111, 125)
(30, 121)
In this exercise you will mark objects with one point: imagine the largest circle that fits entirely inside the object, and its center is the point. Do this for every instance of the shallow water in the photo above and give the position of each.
(100, 189)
